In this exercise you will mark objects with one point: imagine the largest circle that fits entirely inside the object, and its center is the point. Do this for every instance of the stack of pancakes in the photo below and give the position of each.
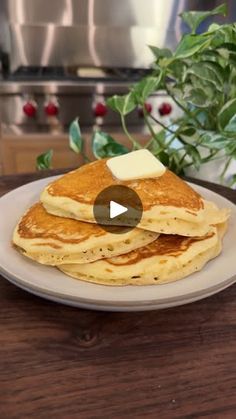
(178, 233)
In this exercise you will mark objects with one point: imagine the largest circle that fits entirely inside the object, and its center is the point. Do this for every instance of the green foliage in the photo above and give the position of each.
(227, 113)
(142, 90)
(191, 45)
(160, 52)
(103, 145)
(200, 76)
(194, 19)
(44, 161)
(207, 71)
(122, 104)
(196, 96)
(75, 138)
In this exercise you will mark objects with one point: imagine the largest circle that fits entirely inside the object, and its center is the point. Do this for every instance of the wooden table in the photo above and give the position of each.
(61, 362)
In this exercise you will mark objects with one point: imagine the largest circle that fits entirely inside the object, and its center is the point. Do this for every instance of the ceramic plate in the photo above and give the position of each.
(48, 282)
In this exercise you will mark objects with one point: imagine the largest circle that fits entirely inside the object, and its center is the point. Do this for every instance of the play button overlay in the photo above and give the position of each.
(118, 209)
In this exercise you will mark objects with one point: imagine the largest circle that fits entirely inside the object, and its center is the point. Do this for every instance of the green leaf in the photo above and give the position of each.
(174, 163)
(189, 134)
(103, 145)
(202, 116)
(231, 126)
(177, 69)
(160, 52)
(230, 148)
(209, 71)
(213, 27)
(75, 138)
(229, 33)
(210, 55)
(214, 141)
(227, 50)
(188, 131)
(196, 96)
(194, 154)
(44, 161)
(146, 87)
(176, 91)
(156, 145)
(226, 34)
(194, 19)
(122, 104)
(164, 158)
(209, 90)
(191, 44)
(227, 113)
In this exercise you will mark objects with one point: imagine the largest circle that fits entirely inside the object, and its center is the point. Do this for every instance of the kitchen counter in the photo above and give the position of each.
(58, 361)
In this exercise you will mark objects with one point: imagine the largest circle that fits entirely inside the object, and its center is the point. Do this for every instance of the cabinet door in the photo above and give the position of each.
(19, 153)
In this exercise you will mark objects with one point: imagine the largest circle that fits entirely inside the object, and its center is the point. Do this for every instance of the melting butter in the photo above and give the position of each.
(140, 164)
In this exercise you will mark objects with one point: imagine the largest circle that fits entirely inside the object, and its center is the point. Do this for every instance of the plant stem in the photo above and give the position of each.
(175, 133)
(182, 160)
(183, 157)
(161, 124)
(187, 165)
(86, 158)
(211, 156)
(136, 145)
(178, 136)
(225, 168)
(154, 135)
(170, 141)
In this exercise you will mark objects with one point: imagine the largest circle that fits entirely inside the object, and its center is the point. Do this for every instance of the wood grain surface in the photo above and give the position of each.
(62, 362)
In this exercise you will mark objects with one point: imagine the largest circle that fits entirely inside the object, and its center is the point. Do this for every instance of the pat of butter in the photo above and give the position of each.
(140, 164)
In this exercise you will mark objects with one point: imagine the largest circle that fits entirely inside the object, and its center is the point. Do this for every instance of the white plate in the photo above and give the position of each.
(48, 282)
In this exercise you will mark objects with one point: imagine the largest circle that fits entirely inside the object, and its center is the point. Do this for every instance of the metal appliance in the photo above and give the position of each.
(62, 58)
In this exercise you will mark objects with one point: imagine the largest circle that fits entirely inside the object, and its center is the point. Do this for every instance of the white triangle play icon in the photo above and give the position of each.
(116, 209)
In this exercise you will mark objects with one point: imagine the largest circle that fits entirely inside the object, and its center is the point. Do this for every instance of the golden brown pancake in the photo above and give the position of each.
(170, 205)
(84, 184)
(54, 240)
(167, 259)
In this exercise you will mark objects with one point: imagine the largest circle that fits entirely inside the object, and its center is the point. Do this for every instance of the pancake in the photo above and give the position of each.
(53, 240)
(167, 259)
(170, 205)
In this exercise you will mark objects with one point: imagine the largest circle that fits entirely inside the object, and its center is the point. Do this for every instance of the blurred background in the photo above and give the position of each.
(60, 59)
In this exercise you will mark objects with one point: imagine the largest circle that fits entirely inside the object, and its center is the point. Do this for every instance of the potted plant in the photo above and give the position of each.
(200, 77)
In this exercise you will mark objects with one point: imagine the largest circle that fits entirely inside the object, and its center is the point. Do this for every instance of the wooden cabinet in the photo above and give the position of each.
(18, 153)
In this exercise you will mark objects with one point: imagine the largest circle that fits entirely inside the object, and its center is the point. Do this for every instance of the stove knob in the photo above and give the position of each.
(30, 108)
(51, 108)
(100, 109)
(165, 109)
(148, 108)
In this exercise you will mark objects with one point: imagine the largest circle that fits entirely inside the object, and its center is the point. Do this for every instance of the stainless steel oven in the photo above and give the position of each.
(63, 58)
